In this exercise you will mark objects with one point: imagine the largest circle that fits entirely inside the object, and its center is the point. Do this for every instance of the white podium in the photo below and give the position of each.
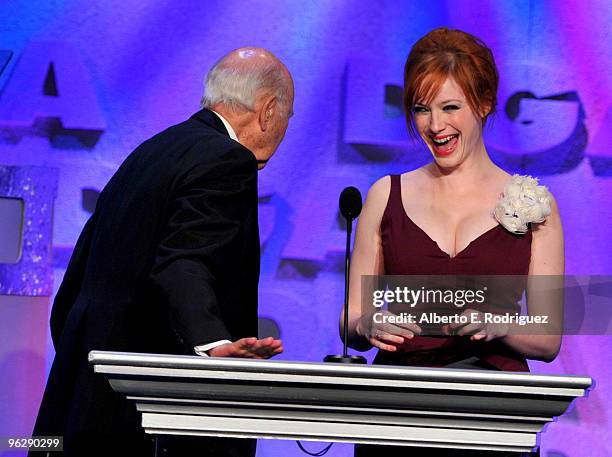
(435, 407)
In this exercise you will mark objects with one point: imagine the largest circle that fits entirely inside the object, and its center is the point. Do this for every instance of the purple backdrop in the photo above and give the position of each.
(83, 83)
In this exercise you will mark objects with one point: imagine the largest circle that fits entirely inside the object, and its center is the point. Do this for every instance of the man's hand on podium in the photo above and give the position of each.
(251, 348)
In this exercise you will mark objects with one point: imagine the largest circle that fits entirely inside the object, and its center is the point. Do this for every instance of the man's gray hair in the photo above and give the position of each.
(238, 78)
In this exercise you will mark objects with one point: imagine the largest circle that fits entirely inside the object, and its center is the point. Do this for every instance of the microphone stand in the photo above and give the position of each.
(345, 357)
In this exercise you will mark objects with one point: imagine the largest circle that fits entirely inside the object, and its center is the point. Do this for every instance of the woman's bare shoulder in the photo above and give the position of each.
(374, 206)
(380, 190)
(415, 180)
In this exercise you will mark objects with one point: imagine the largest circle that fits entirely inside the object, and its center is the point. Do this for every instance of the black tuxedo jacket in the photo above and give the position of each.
(169, 260)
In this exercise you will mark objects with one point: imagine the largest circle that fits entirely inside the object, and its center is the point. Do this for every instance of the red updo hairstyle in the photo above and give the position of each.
(444, 53)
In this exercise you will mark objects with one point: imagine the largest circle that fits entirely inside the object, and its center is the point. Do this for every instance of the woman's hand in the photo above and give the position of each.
(386, 336)
(477, 328)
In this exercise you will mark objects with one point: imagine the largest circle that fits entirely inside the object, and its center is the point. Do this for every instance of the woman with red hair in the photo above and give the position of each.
(458, 215)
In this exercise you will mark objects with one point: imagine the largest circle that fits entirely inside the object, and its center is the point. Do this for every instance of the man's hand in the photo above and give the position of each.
(250, 348)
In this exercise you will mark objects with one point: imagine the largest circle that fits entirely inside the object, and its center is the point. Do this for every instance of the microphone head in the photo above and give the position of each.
(350, 202)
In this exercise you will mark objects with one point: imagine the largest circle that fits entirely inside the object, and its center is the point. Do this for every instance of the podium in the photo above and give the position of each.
(245, 398)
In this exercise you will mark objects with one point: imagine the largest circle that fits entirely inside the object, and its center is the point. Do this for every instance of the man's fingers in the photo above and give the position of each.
(249, 347)
(266, 342)
(265, 347)
(276, 350)
(267, 352)
(245, 342)
(253, 341)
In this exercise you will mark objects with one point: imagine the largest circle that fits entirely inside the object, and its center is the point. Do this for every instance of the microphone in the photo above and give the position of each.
(350, 208)
(350, 203)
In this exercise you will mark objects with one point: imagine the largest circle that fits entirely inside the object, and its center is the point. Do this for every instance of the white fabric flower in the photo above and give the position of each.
(523, 202)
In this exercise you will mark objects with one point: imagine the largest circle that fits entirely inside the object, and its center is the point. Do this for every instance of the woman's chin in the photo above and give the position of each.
(447, 162)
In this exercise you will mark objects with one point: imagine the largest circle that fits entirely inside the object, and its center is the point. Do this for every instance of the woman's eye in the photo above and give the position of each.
(451, 108)
(419, 109)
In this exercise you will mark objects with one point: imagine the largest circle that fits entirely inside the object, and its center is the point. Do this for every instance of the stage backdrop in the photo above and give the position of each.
(84, 82)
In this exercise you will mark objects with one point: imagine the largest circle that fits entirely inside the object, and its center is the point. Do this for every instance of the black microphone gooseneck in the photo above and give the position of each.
(350, 208)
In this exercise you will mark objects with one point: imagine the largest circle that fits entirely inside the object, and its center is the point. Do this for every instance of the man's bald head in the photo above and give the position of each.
(253, 91)
(243, 75)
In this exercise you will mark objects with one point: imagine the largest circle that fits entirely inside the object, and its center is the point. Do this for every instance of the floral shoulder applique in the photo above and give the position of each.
(523, 202)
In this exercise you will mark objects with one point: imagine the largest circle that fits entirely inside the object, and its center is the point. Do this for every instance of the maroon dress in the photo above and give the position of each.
(408, 250)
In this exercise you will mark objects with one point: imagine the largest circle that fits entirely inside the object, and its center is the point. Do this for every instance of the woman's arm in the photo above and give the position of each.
(367, 259)
(544, 291)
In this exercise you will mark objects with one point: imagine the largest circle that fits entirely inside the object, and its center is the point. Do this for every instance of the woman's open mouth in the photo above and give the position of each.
(444, 145)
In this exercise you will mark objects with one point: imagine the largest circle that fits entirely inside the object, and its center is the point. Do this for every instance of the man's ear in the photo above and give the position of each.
(266, 113)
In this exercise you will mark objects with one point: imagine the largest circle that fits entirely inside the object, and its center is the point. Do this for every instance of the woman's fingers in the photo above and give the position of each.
(390, 338)
(470, 329)
(380, 345)
(403, 331)
(406, 329)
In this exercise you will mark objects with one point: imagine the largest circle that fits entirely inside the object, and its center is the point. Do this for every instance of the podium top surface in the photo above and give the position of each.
(135, 362)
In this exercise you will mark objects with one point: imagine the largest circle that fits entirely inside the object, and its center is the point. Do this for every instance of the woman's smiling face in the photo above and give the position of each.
(449, 126)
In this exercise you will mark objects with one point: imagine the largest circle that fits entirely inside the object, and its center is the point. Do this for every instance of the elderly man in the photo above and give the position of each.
(169, 261)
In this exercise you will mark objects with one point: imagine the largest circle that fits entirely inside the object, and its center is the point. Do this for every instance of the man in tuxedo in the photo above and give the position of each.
(169, 260)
